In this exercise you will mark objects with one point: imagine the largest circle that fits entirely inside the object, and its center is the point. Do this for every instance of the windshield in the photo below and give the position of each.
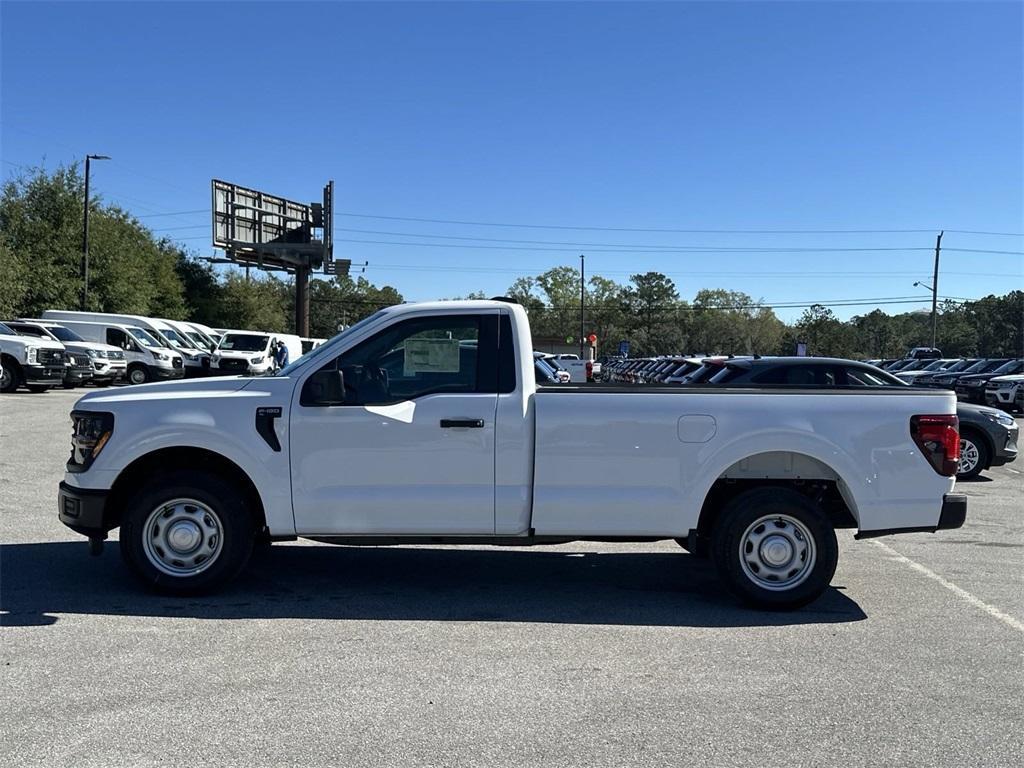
(144, 336)
(6, 331)
(320, 350)
(198, 340)
(960, 365)
(176, 337)
(938, 365)
(1011, 367)
(64, 334)
(243, 342)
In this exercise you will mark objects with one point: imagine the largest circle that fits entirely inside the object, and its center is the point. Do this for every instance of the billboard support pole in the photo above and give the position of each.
(302, 301)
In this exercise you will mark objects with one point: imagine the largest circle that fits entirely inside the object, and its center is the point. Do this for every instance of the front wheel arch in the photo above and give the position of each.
(145, 468)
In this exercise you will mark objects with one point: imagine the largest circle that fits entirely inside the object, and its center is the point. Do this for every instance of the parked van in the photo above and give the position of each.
(196, 361)
(107, 363)
(36, 364)
(202, 335)
(147, 359)
(251, 353)
(310, 344)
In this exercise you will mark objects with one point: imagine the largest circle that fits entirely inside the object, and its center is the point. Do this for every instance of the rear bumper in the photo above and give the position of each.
(84, 511)
(952, 515)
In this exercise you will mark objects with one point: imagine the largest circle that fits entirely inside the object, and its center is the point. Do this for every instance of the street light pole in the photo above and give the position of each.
(583, 327)
(935, 287)
(85, 234)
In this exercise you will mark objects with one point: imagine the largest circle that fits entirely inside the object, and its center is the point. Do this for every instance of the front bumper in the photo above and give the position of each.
(166, 373)
(952, 515)
(1006, 452)
(48, 375)
(84, 511)
(78, 374)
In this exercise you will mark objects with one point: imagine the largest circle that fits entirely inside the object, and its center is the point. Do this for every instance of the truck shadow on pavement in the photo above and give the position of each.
(296, 581)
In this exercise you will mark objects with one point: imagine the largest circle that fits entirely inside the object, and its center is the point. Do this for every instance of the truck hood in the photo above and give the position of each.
(185, 389)
(31, 341)
(1008, 379)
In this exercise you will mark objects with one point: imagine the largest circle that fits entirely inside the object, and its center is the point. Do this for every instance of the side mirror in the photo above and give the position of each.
(324, 388)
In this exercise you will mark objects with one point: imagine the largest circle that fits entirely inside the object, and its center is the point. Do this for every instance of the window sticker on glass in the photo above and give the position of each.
(431, 356)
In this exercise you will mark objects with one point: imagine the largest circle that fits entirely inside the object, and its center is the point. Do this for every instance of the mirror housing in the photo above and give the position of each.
(324, 388)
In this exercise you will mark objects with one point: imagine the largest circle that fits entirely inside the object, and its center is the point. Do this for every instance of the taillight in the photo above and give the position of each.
(938, 437)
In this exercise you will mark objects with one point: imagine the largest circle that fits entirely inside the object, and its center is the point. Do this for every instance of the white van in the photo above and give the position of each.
(251, 353)
(197, 361)
(202, 336)
(148, 359)
(107, 363)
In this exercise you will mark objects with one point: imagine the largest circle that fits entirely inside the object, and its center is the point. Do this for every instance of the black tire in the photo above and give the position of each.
(138, 374)
(11, 378)
(801, 515)
(969, 439)
(235, 526)
(37, 388)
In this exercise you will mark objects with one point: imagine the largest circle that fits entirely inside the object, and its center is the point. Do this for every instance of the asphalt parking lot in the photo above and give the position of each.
(576, 655)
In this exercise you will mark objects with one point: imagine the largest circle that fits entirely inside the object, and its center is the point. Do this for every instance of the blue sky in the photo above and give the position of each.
(624, 116)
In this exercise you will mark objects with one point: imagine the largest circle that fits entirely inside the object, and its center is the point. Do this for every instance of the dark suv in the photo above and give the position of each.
(802, 372)
(971, 387)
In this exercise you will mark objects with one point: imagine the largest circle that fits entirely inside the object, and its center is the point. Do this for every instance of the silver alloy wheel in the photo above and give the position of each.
(969, 456)
(137, 376)
(777, 552)
(182, 537)
(6, 374)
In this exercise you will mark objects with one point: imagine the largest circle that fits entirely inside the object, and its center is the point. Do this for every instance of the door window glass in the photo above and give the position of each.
(417, 357)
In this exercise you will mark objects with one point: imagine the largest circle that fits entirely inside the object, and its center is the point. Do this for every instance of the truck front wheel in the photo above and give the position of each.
(774, 548)
(186, 532)
(10, 378)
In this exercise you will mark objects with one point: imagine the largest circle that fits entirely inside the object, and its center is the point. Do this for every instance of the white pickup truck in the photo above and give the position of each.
(424, 424)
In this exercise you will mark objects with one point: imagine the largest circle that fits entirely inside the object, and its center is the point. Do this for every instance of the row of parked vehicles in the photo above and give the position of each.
(985, 388)
(68, 349)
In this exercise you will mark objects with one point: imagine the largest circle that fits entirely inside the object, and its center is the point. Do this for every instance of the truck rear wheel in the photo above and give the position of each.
(774, 548)
(186, 532)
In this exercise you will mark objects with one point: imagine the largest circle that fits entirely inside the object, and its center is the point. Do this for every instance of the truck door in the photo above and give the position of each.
(410, 450)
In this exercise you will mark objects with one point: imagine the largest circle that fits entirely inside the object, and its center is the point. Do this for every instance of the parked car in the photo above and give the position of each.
(935, 366)
(927, 378)
(988, 438)
(389, 433)
(1005, 392)
(972, 387)
(925, 353)
(802, 372)
(947, 380)
(547, 369)
(36, 364)
(106, 364)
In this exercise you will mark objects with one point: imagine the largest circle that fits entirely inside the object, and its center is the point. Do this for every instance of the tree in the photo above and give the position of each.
(652, 308)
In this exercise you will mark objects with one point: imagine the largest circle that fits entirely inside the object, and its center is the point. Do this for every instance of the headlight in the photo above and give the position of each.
(93, 353)
(257, 360)
(90, 432)
(999, 417)
(31, 354)
(161, 356)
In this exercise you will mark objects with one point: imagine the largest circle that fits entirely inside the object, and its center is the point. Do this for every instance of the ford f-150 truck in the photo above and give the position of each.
(423, 423)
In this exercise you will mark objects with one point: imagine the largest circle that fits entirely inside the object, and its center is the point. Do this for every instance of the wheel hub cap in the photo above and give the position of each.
(184, 536)
(776, 550)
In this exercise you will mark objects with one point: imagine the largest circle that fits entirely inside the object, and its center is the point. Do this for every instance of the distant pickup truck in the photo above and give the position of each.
(423, 423)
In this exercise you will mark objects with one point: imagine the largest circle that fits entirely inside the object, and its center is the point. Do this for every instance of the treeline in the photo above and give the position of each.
(132, 271)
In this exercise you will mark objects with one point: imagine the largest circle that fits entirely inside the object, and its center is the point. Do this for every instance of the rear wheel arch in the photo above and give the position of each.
(807, 475)
(145, 469)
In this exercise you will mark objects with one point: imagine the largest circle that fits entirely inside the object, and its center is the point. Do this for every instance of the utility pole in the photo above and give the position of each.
(302, 301)
(583, 289)
(85, 234)
(935, 287)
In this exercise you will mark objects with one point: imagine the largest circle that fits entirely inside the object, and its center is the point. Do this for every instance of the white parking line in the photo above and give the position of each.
(1015, 471)
(977, 602)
